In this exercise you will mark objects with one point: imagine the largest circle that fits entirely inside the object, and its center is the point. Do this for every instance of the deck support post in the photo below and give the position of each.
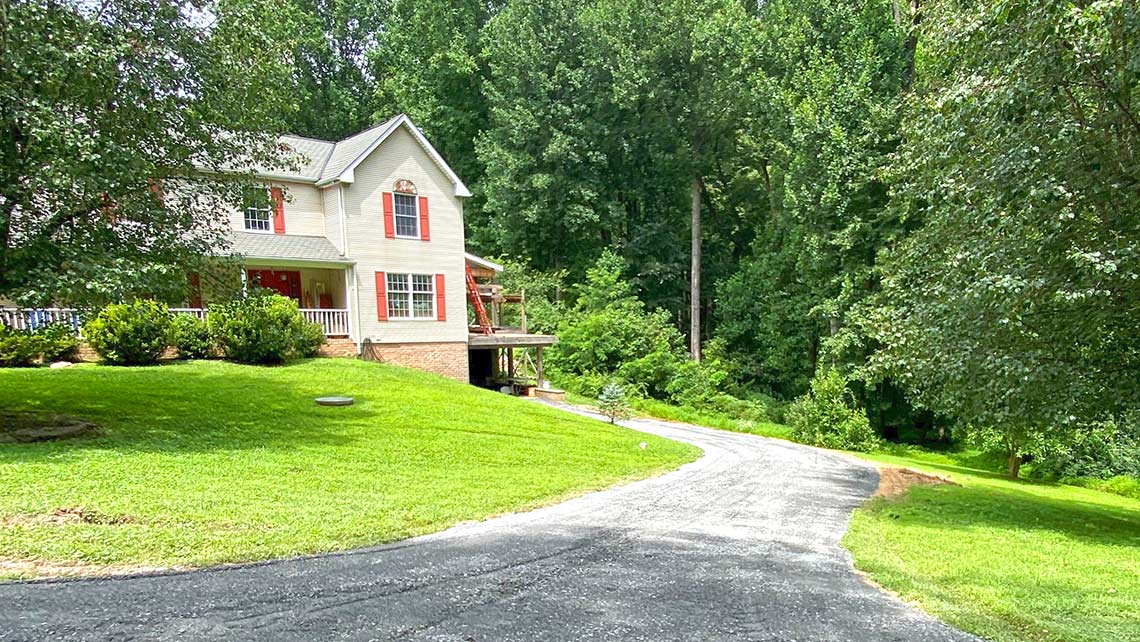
(538, 365)
(511, 365)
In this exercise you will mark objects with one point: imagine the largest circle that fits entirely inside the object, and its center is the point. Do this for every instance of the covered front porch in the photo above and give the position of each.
(307, 269)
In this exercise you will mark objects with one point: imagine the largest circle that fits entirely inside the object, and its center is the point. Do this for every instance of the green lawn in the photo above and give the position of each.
(208, 462)
(1010, 561)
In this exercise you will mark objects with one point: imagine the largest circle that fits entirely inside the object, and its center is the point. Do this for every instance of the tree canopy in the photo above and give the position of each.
(929, 203)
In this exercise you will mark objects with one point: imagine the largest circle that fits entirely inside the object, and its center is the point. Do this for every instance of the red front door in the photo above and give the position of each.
(284, 282)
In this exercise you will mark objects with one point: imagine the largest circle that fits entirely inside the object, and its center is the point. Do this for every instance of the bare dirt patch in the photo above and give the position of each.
(894, 481)
(70, 515)
(36, 569)
(25, 428)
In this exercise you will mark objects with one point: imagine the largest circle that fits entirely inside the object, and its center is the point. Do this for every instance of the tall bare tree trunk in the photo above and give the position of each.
(695, 275)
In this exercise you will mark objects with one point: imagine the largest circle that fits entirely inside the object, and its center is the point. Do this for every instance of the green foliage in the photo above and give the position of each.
(1102, 451)
(545, 307)
(128, 334)
(19, 348)
(710, 386)
(828, 416)
(613, 403)
(1123, 485)
(427, 64)
(191, 336)
(110, 104)
(1013, 303)
(59, 342)
(263, 329)
(610, 332)
(23, 348)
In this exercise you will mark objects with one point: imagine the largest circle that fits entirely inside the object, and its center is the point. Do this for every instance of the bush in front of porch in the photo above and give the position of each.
(263, 328)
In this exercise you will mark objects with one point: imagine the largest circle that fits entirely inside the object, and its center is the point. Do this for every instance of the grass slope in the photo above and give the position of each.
(1010, 561)
(207, 462)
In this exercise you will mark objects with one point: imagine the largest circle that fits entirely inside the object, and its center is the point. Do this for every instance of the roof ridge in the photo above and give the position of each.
(312, 138)
(367, 129)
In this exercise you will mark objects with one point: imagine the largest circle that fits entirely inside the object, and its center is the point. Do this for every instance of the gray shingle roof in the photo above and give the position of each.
(321, 161)
(283, 246)
(351, 148)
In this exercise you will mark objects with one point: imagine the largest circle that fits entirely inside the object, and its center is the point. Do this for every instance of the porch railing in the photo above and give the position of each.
(334, 321)
(33, 318)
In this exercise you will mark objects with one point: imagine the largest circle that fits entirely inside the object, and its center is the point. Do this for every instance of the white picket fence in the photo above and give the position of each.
(334, 322)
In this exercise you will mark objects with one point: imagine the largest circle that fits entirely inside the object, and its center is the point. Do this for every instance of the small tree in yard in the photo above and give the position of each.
(613, 403)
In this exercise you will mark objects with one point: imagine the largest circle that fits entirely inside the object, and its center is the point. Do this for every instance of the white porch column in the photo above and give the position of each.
(350, 301)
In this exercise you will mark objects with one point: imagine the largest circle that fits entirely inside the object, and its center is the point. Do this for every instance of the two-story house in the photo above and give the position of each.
(367, 236)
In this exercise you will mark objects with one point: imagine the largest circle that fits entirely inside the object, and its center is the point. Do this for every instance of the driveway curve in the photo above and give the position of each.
(742, 544)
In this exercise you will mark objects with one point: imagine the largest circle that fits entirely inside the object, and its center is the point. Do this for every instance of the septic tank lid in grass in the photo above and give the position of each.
(334, 401)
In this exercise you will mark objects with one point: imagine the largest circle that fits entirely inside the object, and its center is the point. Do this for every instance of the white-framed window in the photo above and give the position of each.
(258, 214)
(411, 296)
(259, 217)
(406, 209)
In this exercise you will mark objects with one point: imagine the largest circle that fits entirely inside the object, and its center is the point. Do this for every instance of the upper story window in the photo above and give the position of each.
(407, 215)
(411, 296)
(258, 215)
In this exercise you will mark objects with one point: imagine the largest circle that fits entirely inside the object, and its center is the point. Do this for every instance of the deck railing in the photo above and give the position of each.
(334, 321)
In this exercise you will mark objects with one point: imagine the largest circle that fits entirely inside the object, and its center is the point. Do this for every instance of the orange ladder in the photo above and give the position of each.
(477, 301)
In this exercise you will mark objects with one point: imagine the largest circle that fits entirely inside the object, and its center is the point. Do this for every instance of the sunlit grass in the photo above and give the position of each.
(1010, 561)
(207, 462)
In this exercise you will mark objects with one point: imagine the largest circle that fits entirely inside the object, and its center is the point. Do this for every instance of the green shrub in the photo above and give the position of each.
(191, 336)
(264, 328)
(827, 416)
(1102, 451)
(311, 338)
(132, 333)
(59, 342)
(19, 348)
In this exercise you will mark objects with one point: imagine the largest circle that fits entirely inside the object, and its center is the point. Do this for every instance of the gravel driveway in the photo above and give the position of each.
(740, 545)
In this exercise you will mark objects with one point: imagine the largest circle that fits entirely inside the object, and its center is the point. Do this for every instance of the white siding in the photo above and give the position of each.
(332, 216)
(401, 157)
(304, 211)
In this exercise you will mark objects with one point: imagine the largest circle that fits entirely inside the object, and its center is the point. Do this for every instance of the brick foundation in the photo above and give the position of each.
(338, 347)
(447, 359)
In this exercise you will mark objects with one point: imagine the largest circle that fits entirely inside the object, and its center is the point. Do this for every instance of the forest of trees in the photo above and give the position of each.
(934, 200)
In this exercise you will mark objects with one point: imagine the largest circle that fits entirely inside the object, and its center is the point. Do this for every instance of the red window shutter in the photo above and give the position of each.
(425, 229)
(440, 299)
(278, 210)
(381, 296)
(389, 216)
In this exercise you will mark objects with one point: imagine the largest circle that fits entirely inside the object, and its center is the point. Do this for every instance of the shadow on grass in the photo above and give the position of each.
(1014, 508)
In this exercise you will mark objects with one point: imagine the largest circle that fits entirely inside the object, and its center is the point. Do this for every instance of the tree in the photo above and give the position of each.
(827, 89)
(107, 113)
(1012, 307)
(334, 93)
(671, 64)
(428, 64)
(612, 402)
